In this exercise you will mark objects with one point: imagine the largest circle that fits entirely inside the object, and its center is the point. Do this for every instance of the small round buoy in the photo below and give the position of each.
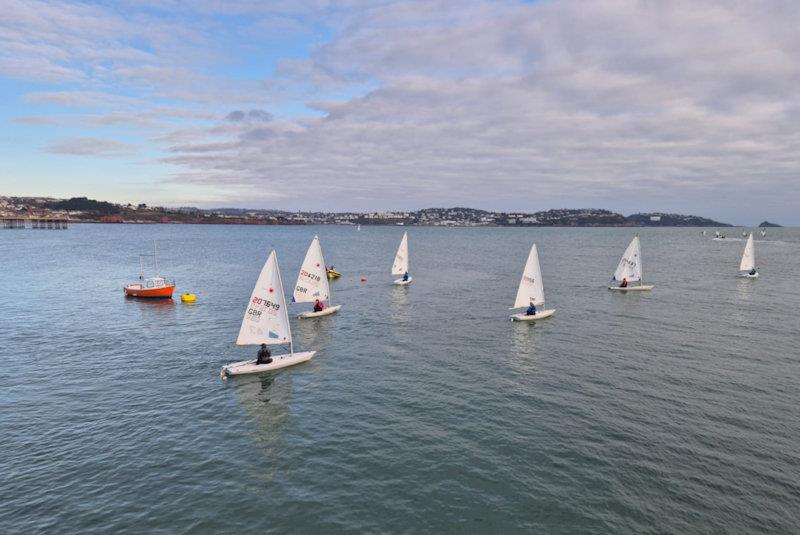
(363, 279)
(188, 298)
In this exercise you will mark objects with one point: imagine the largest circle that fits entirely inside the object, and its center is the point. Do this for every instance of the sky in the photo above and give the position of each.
(654, 105)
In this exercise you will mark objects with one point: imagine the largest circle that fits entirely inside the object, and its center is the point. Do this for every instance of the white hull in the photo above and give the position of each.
(719, 239)
(748, 276)
(642, 288)
(246, 367)
(324, 312)
(401, 282)
(540, 315)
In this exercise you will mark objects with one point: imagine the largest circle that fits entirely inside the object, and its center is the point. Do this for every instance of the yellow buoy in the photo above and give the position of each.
(188, 298)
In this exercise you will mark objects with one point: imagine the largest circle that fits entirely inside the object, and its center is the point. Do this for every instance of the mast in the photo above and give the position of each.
(641, 263)
(288, 325)
(327, 281)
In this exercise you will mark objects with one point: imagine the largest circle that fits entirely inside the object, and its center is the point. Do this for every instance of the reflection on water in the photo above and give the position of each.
(525, 341)
(400, 302)
(745, 289)
(160, 308)
(266, 400)
(313, 334)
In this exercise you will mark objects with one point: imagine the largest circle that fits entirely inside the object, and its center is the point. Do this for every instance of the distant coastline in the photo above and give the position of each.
(84, 210)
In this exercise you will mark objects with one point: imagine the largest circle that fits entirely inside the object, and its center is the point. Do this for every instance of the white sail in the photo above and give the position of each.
(266, 320)
(749, 256)
(400, 265)
(530, 289)
(630, 265)
(312, 281)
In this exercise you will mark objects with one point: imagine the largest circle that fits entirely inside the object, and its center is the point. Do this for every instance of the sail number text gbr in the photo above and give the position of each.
(259, 305)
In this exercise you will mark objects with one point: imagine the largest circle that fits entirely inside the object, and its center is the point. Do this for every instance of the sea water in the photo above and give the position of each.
(425, 408)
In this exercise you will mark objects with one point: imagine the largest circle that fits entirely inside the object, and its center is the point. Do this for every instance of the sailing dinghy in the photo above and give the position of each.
(312, 282)
(266, 321)
(747, 267)
(630, 269)
(531, 290)
(400, 265)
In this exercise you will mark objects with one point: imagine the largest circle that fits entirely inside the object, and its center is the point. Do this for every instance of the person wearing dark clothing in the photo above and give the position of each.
(753, 271)
(318, 306)
(405, 276)
(531, 310)
(264, 356)
(624, 283)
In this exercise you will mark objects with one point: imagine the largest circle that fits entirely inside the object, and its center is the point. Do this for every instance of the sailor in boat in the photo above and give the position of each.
(753, 271)
(531, 310)
(405, 276)
(624, 283)
(264, 356)
(318, 306)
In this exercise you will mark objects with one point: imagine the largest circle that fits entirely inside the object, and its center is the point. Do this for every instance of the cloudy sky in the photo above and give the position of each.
(682, 106)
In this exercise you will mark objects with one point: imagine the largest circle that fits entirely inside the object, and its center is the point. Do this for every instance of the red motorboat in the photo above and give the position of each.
(157, 287)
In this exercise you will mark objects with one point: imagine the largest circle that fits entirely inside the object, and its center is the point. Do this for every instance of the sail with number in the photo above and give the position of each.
(400, 265)
(630, 265)
(312, 281)
(530, 289)
(749, 256)
(266, 320)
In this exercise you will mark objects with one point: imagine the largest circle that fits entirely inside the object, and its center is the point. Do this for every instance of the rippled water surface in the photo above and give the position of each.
(425, 409)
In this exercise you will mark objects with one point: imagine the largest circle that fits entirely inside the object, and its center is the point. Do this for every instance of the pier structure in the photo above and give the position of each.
(37, 223)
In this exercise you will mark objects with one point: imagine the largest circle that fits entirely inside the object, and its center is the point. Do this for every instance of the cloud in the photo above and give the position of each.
(517, 105)
(238, 116)
(93, 99)
(91, 146)
(36, 120)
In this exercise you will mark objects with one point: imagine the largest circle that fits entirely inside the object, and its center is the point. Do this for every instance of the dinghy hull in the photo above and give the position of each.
(247, 367)
(139, 290)
(540, 315)
(642, 288)
(324, 312)
(748, 276)
(401, 282)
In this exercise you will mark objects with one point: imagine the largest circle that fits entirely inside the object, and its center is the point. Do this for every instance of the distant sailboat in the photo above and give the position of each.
(747, 267)
(704, 233)
(630, 269)
(400, 265)
(531, 290)
(763, 232)
(718, 236)
(358, 227)
(312, 282)
(266, 321)
(744, 234)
